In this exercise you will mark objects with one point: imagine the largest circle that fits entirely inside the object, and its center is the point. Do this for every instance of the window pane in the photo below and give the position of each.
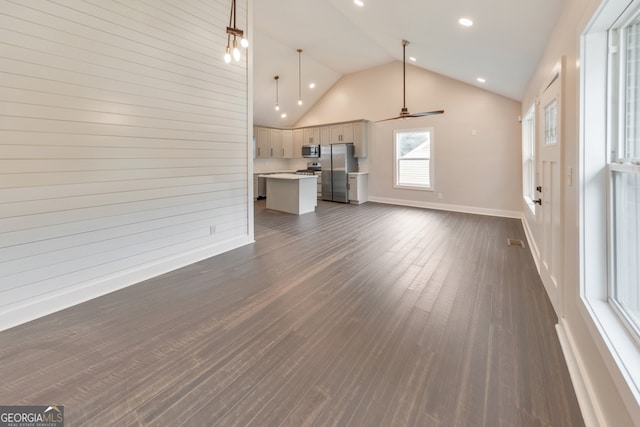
(408, 142)
(528, 151)
(631, 146)
(414, 172)
(626, 234)
(551, 123)
(413, 158)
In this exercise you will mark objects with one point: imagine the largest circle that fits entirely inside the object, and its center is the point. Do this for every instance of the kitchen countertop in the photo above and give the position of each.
(273, 172)
(287, 176)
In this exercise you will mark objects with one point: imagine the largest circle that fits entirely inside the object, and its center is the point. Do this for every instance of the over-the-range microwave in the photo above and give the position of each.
(310, 151)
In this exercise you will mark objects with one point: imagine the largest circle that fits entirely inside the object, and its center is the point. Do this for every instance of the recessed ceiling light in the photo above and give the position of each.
(283, 115)
(481, 80)
(312, 85)
(359, 3)
(465, 22)
(411, 58)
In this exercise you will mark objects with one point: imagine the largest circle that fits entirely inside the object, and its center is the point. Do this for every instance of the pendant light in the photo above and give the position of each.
(299, 78)
(276, 78)
(235, 32)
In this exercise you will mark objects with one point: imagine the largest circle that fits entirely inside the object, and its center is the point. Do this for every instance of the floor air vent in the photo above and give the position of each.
(515, 242)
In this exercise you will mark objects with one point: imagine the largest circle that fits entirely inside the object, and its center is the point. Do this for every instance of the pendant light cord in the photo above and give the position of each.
(404, 75)
(232, 17)
(299, 75)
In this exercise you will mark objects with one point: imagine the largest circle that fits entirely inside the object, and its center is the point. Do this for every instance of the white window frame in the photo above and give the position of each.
(529, 158)
(396, 172)
(598, 127)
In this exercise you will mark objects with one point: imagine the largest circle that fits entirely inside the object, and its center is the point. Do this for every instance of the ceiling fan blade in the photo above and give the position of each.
(426, 113)
(390, 118)
(408, 116)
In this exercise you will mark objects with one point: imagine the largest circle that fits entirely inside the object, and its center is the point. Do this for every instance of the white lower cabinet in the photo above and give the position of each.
(358, 187)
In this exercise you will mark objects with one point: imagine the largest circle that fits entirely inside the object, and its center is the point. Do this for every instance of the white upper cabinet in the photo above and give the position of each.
(298, 142)
(342, 133)
(351, 132)
(287, 144)
(269, 143)
(360, 130)
(312, 136)
(325, 135)
(263, 142)
(276, 143)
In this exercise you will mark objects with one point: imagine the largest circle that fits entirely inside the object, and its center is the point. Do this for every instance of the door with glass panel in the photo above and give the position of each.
(549, 192)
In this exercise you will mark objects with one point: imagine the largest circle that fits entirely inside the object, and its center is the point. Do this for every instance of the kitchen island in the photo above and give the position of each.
(291, 193)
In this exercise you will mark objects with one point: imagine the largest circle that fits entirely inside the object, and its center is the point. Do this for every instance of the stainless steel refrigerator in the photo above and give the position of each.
(337, 161)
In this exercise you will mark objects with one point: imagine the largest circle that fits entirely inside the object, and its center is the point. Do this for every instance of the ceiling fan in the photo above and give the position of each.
(404, 113)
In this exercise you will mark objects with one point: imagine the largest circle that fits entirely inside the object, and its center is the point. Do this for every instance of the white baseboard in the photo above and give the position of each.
(38, 307)
(591, 412)
(533, 248)
(445, 207)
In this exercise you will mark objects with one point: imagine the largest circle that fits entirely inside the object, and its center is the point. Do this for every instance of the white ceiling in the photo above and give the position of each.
(337, 37)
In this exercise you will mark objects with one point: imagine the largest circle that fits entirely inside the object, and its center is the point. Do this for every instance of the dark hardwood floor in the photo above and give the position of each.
(355, 315)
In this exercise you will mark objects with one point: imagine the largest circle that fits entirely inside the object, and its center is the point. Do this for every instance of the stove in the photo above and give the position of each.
(313, 168)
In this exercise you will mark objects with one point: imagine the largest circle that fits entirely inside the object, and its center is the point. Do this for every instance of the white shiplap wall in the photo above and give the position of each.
(123, 146)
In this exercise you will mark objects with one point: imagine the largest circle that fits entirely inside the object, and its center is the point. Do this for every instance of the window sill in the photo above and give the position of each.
(624, 360)
(413, 187)
(531, 205)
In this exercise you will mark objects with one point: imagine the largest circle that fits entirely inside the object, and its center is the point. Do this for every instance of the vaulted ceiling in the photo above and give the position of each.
(503, 46)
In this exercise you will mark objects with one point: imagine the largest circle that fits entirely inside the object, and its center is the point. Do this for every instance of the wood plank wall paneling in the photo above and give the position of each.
(123, 141)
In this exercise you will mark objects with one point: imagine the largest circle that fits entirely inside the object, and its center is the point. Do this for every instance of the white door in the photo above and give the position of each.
(549, 186)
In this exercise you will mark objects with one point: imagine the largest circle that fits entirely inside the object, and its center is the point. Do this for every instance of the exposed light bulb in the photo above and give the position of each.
(284, 115)
(481, 80)
(236, 51)
(299, 78)
(244, 42)
(312, 85)
(465, 22)
(276, 78)
(359, 3)
(227, 55)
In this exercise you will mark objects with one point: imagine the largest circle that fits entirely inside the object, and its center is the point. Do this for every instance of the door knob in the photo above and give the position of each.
(539, 189)
(538, 201)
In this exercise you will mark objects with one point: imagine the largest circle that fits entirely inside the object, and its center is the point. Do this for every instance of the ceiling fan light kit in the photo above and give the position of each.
(404, 112)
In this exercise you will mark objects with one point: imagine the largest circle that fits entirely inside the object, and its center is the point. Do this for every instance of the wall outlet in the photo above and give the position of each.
(440, 196)
(474, 132)
(212, 229)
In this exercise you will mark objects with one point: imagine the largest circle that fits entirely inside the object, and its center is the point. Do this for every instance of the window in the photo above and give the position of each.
(413, 160)
(551, 123)
(529, 157)
(624, 176)
(609, 184)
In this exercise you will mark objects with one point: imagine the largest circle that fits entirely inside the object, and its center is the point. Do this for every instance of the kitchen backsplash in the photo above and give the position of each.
(268, 165)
